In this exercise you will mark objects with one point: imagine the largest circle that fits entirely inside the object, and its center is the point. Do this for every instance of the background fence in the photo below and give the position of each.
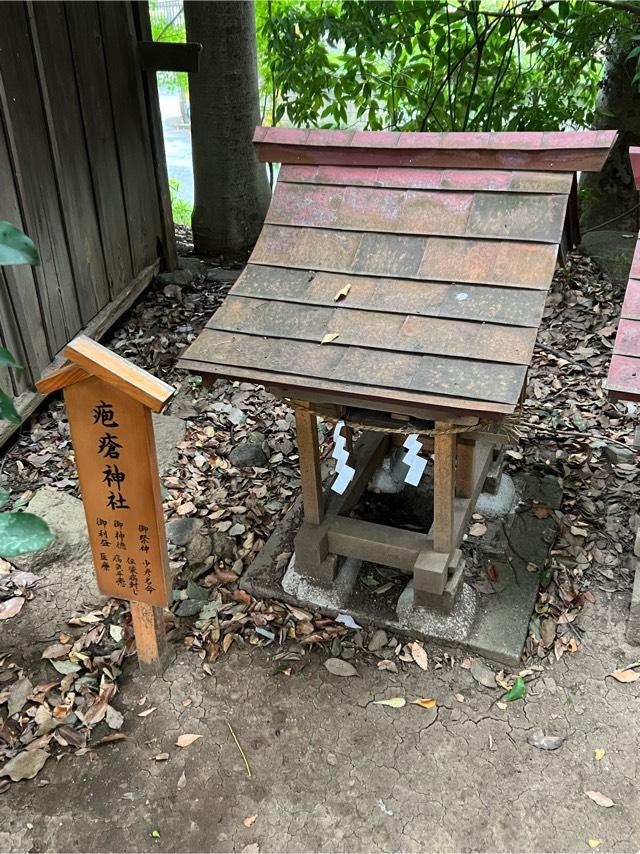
(83, 173)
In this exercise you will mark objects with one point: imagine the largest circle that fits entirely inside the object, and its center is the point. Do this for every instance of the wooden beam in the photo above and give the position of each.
(109, 366)
(464, 469)
(309, 453)
(444, 463)
(379, 544)
(151, 643)
(169, 56)
(61, 378)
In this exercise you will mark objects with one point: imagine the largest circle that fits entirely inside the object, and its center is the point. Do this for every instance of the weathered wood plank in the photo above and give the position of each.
(623, 380)
(323, 392)
(377, 369)
(22, 310)
(92, 87)
(555, 152)
(429, 179)
(131, 130)
(444, 477)
(169, 56)
(26, 127)
(142, 21)
(397, 332)
(450, 259)
(522, 216)
(309, 458)
(631, 304)
(66, 133)
(509, 306)
(464, 469)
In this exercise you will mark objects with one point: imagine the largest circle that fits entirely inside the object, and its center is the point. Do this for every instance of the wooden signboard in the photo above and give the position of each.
(109, 403)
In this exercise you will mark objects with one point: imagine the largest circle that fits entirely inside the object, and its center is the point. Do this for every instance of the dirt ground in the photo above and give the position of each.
(331, 771)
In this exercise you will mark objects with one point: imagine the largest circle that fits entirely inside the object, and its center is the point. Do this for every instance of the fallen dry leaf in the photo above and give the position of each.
(478, 529)
(599, 798)
(147, 712)
(394, 702)
(161, 757)
(625, 675)
(459, 697)
(599, 753)
(593, 843)
(250, 820)
(425, 702)
(419, 655)
(10, 607)
(342, 293)
(340, 667)
(187, 739)
(329, 337)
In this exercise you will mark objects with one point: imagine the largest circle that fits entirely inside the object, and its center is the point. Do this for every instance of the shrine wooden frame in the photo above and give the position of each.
(461, 463)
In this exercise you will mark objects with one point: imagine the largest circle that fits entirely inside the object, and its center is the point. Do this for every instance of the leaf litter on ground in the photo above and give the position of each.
(567, 424)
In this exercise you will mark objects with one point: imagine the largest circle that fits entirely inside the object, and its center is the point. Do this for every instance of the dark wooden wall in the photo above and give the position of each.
(81, 171)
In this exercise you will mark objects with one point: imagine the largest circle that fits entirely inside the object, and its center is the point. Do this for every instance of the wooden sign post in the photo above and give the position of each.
(109, 403)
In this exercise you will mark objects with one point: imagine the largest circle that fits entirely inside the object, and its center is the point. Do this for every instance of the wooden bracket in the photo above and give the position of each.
(169, 56)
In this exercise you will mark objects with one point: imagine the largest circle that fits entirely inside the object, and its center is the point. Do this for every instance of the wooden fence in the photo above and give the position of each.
(82, 171)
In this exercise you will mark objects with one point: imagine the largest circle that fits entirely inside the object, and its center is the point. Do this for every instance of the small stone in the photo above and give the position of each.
(198, 549)
(173, 292)
(247, 454)
(190, 263)
(175, 277)
(617, 454)
(378, 641)
(181, 531)
(219, 274)
(483, 674)
(331, 759)
(348, 652)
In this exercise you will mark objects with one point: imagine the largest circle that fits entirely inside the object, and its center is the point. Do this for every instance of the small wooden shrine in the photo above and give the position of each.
(397, 286)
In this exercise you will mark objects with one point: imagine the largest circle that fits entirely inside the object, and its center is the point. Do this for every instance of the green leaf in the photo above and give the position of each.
(16, 247)
(21, 533)
(4, 497)
(394, 702)
(7, 359)
(517, 691)
(8, 411)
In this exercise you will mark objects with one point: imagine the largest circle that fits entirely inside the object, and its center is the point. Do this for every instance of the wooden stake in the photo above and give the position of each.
(444, 467)
(309, 452)
(148, 627)
(464, 470)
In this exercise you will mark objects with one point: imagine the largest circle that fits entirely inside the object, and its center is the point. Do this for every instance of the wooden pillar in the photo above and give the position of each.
(444, 473)
(464, 470)
(309, 452)
(148, 628)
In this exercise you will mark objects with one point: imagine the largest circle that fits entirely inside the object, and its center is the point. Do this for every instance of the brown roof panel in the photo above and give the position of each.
(425, 278)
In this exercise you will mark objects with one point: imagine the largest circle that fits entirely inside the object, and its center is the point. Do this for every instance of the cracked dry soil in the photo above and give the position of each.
(330, 771)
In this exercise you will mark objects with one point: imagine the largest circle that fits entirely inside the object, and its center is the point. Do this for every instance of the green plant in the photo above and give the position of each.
(19, 532)
(440, 65)
(181, 209)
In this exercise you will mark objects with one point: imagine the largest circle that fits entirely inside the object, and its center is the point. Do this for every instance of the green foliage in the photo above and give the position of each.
(181, 209)
(16, 247)
(415, 65)
(21, 533)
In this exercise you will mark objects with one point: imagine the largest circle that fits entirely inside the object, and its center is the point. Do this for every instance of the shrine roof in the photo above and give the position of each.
(426, 282)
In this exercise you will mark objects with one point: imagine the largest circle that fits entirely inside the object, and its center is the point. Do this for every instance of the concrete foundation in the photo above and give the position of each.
(492, 620)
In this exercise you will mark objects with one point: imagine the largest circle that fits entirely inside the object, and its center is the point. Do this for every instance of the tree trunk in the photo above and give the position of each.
(607, 194)
(231, 187)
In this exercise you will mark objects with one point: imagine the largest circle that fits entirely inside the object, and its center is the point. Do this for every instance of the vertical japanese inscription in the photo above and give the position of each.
(113, 441)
